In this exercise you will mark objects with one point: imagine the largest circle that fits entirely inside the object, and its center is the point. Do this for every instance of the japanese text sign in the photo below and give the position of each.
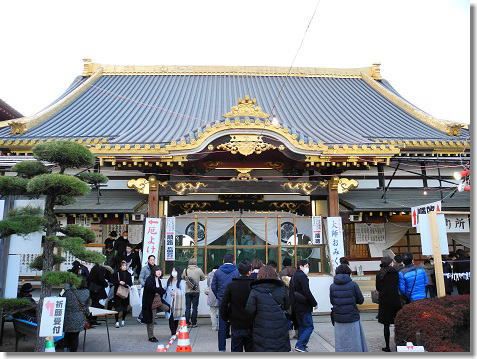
(424, 209)
(369, 233)
(170, 248)
(335, 240)
(52, 317)
(152, 236)
(457, 223)
(316, 229)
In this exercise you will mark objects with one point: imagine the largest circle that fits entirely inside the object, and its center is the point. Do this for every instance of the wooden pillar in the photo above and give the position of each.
(333, 200)
(153, 199)
(436, 253)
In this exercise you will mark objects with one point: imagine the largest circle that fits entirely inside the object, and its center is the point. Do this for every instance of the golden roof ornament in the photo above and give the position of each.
(246, 145)
(246, 107)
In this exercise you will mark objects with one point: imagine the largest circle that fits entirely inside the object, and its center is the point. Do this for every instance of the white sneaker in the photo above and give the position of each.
(122, 323)
(291, 334)
(117, 325)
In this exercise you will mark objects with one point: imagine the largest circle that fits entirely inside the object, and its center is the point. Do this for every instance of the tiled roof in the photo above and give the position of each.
(160, 108)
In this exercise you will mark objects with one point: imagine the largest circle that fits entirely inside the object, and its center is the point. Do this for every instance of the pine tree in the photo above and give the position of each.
(35, 180)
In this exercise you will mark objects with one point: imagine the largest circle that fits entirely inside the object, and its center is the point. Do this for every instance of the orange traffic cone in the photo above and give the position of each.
(161, 348)
(183, 340)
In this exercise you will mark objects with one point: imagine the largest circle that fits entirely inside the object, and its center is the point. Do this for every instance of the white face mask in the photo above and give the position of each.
(306, 270)
(174, 274)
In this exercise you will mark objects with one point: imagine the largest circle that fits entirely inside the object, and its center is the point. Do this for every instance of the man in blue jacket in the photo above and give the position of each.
(222, 277)
(412, 280)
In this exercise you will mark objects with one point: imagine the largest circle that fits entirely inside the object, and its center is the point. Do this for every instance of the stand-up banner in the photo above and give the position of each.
(170, 248)
(334, 231)
(317, 230)
(152, 237)
(52, 316)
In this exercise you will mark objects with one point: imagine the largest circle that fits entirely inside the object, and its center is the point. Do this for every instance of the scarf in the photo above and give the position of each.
(177, 305)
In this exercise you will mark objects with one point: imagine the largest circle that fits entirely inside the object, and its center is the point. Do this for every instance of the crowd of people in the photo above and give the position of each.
(260, 309)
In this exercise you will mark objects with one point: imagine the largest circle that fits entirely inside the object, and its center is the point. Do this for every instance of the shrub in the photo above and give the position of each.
(439, 320)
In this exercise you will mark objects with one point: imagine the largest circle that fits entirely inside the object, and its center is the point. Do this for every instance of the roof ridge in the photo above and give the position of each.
(90, 67)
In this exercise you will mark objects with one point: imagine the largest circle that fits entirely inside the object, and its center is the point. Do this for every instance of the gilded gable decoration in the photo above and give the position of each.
(246, 107)
(346, 184)
(246, 145)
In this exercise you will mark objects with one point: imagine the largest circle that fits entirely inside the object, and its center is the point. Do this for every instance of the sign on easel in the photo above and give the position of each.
(52, 316)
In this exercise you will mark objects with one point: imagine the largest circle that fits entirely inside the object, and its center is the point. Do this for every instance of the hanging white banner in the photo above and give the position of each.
(457, 223)
(316, 228)
(152, 236)
(170, 248)
(334, 231)
(52, 317)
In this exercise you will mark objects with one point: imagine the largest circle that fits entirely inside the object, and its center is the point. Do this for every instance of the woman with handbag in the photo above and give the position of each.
(122, 280)
(151, 300)
(76, 314)
(175, 296)
(387, 286)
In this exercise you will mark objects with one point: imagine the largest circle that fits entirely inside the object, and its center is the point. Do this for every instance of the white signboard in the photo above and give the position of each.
(424, 209)
(316, 229)
(369, 233)
(335, 240)
(170, 248)
(410, 348)
(152, 236)
(457, 223)
(52, 316)
(426, 239)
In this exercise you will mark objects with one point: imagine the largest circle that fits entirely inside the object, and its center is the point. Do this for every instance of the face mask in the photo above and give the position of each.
(174, 274)
(306, 270)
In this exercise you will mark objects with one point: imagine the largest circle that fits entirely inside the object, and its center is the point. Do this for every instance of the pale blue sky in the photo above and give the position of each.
(423, 45)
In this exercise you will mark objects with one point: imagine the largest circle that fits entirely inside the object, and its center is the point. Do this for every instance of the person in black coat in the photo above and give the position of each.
(267, 303)
(132, 260)
(121, 278)
(97, 284)
(462, 265)
(232, 309)
(152, 287)
(303, 303)
(447, 269)
(387, 284)
(120, 245)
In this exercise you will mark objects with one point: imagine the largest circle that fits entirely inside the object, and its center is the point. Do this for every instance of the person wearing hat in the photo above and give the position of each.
(111, 240)
(192, 276)
(25, 293)
(152, 287)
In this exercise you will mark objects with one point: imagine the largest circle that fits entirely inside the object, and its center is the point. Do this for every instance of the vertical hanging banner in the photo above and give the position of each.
(152, 236)
(316, 228)
(52, 317)
(334, 231)
(170, 248)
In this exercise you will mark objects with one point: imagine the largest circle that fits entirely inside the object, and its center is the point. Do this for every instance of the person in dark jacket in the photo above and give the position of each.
(462, 267)
(397, 262)
(132, 261)
(79, 269)
(121, 278)
(111, 239)
(387, 284)
(303, 304)
(222, 277)
(97, 284)
(256, 265)
(120, 245)
(76, 311)
(286, 274)
(447, 270)
(267, 303)
(232, 309)
(152, 287)
(25, 293)
(412, 280)
(344, 295)
(111, 257)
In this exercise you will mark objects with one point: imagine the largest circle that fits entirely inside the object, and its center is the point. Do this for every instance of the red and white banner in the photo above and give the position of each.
(152, 236)
(52, 317)
(424, 209)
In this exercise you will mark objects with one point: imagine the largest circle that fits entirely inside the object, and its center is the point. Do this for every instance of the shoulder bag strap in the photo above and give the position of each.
(413, 284)
(81, 305)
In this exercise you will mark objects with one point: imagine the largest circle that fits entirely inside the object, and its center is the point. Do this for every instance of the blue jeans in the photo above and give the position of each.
(222, 334)
(305, 328)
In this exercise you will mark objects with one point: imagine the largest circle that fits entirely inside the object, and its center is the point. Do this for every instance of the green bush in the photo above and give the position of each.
(92, 177)
(65, 154)
(56, 184)
(74, 230)
(38, 261)
(58, 279)
(29, 169)
(11, 186)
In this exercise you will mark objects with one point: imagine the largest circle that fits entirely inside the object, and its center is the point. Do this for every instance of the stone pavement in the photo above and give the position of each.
(133, 338)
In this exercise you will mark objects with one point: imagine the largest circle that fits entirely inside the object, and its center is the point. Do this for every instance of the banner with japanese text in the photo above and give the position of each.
(170, 248)
(152, 236)
(334, 231)
(423, 209)
(369, 233)
(316, 228)
(52, 317)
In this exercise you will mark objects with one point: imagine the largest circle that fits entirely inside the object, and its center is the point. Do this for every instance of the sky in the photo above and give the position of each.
(423, 45)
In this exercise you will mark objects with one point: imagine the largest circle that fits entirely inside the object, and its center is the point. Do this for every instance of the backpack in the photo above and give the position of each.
(191, 283)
